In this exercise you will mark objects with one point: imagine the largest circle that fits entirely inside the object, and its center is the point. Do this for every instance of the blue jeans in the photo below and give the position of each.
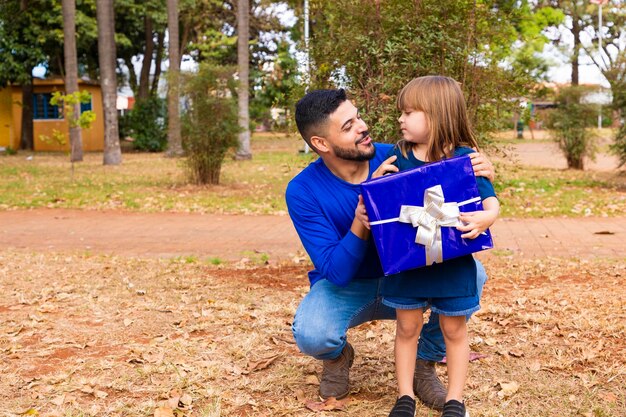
(328, 311)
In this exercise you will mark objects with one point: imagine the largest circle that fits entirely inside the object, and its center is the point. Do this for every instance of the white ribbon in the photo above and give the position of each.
(429, 220)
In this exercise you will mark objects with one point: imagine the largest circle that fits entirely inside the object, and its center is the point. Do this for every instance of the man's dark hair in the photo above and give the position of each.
(313, 109)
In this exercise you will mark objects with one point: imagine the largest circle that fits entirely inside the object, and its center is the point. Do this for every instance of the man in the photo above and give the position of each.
(347, 275)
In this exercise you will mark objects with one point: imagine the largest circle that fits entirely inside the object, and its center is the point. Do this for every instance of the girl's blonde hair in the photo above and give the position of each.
(442, 101)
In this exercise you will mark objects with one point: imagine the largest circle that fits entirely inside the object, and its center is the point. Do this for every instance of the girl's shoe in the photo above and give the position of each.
(454, 408)
(404, 407)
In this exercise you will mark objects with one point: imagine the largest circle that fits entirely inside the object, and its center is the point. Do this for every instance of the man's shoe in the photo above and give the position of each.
(404, 407)
(427, 386)
(336, 375)
(454, 408)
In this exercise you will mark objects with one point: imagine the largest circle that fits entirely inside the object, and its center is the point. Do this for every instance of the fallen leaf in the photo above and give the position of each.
(312, 380)
(329, 404)
(29, 412)
(59, 400)
(100, 394)
(300, 397)
(608, 397)
(516, 353)
(163, 412)
(186, 400)
(127, 322)
(490, 341)
(507, 389)
(604, 232)
(262, 364)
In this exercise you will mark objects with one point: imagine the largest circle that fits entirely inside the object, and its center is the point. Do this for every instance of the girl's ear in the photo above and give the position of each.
(320, 144)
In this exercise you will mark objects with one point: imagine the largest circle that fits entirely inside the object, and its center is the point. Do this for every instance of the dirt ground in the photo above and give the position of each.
(94, 335)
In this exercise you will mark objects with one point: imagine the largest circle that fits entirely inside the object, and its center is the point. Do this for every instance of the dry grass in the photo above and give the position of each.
(110, 336)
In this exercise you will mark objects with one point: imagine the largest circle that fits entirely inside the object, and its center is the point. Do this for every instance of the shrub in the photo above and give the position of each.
(146, 124)
(619, 146)
(569, 124)
(210, 122)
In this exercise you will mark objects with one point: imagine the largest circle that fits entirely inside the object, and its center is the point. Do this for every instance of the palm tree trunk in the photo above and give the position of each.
(27, 138)
(243, 62)
(174, 142)
(144, 78)
(71, 74)
(108, 81)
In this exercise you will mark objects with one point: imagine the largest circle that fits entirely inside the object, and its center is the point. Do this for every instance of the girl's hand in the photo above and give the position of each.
(386, 167)
(482, 166)
(360, 213)
(476, 222)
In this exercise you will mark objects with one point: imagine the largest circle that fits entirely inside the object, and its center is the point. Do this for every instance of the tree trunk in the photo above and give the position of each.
(71, 74)
(132, 76)
(576, 53)
(108, 81)
(243, 62)
(26, 139)
(575, 163)
(144, 77)
(157, 63)
(174, 142)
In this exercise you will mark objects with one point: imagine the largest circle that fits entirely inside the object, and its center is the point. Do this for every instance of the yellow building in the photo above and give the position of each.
(48, 118)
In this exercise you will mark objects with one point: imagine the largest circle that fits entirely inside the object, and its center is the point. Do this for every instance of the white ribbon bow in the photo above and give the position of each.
(429, 220)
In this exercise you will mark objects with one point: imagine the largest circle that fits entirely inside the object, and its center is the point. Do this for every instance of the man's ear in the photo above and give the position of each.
(320, 144)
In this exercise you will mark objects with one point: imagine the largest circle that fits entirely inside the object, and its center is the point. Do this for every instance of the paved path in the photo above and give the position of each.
(232, 237)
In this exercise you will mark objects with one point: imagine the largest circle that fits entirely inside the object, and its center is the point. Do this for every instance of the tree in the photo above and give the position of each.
(570, 126)
(210, 123)
(173, 95)
(71, 74)
(108, 81)
(373, 48)
(243, 65)
(23, 29)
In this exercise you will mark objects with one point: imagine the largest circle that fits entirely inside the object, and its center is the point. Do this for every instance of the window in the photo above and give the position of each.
(85, 106)
(42, 109)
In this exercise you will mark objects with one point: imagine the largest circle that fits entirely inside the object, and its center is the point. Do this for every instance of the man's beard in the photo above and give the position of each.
(354, 154)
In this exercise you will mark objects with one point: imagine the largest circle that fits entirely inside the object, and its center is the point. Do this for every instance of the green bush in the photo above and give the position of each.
(210, 122)
(570, 123)
(146, 124)
(619, 146)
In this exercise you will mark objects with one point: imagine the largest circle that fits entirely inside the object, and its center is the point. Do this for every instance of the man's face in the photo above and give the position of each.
(347, 134)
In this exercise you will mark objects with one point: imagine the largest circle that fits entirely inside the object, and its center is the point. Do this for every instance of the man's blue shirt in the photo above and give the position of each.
(321, 207)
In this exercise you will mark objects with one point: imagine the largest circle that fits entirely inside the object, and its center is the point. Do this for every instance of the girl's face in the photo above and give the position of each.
(414, 126)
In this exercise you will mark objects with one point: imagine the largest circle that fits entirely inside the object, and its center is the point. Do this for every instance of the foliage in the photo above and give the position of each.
(145, 123)
(279, 88)
(69, 103)
(569, 123)
(619, 146)
(210, 123)
(374, 48)
(22, 40)
(274, 76)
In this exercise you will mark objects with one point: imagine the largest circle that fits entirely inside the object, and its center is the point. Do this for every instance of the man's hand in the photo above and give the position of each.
(360, 213)
(386, 167)
(482, 166)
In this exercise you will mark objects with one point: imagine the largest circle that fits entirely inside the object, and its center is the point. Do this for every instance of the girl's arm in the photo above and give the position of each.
(477, 222)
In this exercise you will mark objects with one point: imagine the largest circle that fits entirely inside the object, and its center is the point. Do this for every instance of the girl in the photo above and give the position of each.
(435, 126)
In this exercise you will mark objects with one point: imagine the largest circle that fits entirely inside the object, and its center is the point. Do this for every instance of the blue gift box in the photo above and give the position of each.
(413, 214)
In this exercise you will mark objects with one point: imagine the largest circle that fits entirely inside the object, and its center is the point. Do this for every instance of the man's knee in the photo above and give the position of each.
(317, 340)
